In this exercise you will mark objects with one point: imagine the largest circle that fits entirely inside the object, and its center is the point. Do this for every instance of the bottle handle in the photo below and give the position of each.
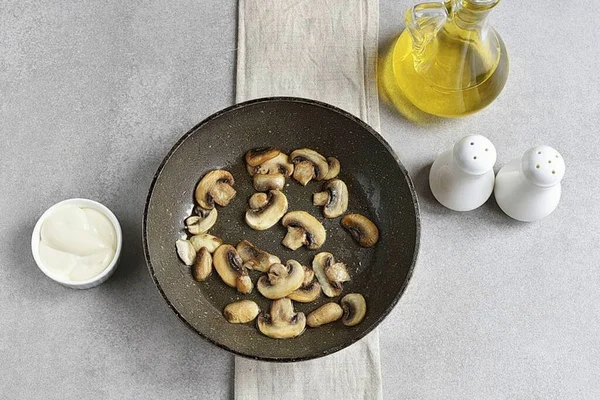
(423, 21)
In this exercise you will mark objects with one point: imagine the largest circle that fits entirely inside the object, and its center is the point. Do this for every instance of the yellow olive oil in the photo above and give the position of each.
(454, 70)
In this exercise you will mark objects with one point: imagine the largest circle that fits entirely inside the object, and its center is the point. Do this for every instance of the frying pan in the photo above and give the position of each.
(379, 188)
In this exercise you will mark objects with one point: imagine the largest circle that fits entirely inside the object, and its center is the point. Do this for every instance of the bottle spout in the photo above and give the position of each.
(423, 21)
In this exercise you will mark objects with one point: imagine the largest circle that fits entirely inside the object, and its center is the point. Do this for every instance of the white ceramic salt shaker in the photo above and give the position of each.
(462, 178)
(528, 189)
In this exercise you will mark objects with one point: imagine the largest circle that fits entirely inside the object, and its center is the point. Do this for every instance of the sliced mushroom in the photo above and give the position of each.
(337, 273)
(203, 265)
(258, 156)
(215, 187)
(241, 312)
(264, 183)
(318, 165)
(205, 240)
(322, 264)
(186, 251)
(258, 200)
(355, 308)
(304, 172)
(282, 322)
(266, 216)
(306, 294)
(303, 229)
(229, 266)
(281, 280)
(309, 291)
(201, 223)
(363, 230)
(278, 164)
(334, 168)
(254, 258)
(333, 198)
(325, 314)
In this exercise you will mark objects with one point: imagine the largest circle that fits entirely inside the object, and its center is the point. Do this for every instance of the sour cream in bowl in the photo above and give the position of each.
(77, 243)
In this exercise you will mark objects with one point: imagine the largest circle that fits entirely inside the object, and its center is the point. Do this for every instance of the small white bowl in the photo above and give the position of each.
(102, 276)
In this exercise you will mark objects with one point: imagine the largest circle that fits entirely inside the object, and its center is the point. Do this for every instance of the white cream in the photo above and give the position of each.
(77, 243)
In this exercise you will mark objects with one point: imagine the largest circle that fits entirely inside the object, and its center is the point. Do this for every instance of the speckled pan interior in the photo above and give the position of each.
(379, 188)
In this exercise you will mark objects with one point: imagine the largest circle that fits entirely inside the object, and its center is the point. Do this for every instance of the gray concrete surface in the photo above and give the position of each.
(93, 94)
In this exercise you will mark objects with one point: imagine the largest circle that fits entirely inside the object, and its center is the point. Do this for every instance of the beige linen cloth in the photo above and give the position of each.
(324, 50)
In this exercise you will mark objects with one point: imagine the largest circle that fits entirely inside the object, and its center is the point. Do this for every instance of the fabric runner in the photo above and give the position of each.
(324, 50)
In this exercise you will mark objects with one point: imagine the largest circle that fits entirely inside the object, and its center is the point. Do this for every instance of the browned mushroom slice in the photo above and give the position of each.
(215, 187)
(328, 271)
(241, 312)
(281, 280)
(325, 314)
(334, 168)
(258, 156)
(278, 164)
(355, 308)
(203, 265)
(229, 266)
(333, 198)
(264, 183)
(205, 240)
(202, 222)
(362, 229)
(254, 258)
(312, 165)
(266, 216)
(303, 229)
(282, 322)
(309, 291)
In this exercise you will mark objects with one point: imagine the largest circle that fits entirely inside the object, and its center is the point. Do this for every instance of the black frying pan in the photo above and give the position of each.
(379, 188)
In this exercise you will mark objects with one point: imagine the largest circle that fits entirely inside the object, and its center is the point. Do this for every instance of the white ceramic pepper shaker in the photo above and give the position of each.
(528, 189)
(462, 178)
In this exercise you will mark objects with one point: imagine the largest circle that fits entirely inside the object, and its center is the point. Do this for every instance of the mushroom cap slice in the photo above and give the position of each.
(215, 187)
(229, 266)
(309, 291)
(355, 308)
(254, 258)
(303, 229)
(363, 230)
(260, 155)
(325, 314)
(321, 168)
(268, 215)
(240, 312)
(203, 265)
(306, 293)
(201, 223)
(336, 193)
(281, 280)
(186, 251)
(266, 182)
(334, 168)
(320, 263)
(278, 164)
(282, 322)
(205, 240)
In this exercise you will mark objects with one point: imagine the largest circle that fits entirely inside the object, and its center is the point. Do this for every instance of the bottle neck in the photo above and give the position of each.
(472, 14)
